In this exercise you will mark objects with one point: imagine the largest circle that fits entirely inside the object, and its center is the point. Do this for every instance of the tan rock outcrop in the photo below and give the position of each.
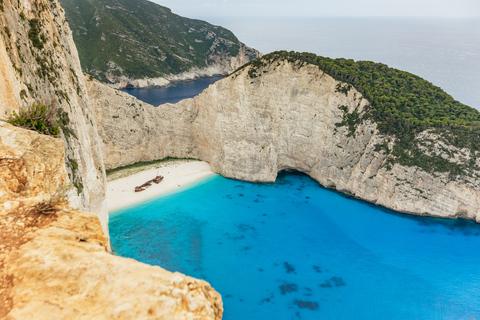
(39, 64)
(60, 268)
(64, 272)
(252, 128)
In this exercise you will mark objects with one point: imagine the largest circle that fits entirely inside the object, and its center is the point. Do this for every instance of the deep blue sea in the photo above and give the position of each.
(295, 250)
(173, 93)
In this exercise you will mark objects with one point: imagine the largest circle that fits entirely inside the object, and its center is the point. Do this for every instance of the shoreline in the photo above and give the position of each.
(121, 191)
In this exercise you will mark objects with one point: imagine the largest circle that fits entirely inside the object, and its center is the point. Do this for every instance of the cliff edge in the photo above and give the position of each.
(54, 262)
(56, 265)
(289, 114)
(39, 65)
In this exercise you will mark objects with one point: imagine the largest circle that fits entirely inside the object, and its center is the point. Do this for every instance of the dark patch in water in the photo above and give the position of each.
(245, 227)
(265, 300)
(338, 281)
(268, 299)
(308, 292)
(288, 287)
(289, 268)
(240, 194)
(334, 281)
(261, 270)
(306, 304)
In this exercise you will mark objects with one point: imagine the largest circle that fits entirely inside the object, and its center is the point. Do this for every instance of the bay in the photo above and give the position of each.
(295, 250)
(174, 93)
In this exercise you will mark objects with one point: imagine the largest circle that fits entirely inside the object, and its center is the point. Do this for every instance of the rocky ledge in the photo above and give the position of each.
(57, 266)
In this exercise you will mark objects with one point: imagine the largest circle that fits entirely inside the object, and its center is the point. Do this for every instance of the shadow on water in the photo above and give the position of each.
(459, 225)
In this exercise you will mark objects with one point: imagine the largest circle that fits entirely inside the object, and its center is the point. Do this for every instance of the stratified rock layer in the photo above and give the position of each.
(61, 269)
(250, 128)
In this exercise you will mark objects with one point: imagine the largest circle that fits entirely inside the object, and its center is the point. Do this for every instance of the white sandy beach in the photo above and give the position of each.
(121, 193)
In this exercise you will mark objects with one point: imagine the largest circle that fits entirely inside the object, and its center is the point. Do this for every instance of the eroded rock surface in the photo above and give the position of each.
(58, 267)
(65, 272)
(250, 128)
(39, 65)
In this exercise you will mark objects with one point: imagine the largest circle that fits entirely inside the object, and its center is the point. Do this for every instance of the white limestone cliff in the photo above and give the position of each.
(252, 128)
(45, 69)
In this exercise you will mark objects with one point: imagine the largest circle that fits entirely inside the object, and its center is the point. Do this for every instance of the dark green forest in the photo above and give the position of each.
(141, 39)
(402, 104)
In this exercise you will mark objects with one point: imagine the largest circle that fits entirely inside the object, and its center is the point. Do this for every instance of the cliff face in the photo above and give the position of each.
(57, 266)
(288, 117)
(39, 64)
(141, 44)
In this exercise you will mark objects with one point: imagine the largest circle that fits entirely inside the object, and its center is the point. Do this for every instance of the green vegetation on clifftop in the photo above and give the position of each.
(402, 105)
(140, 39)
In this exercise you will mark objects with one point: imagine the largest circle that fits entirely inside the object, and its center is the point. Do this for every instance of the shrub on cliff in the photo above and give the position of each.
(39, 117)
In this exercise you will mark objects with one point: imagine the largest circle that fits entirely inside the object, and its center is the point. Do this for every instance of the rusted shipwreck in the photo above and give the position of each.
(147, 184)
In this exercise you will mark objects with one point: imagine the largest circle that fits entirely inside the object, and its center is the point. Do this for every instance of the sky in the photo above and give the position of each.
(309, 8)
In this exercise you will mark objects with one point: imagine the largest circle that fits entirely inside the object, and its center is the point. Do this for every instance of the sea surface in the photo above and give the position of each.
(295, 250)
(173, 93)
(445, 52)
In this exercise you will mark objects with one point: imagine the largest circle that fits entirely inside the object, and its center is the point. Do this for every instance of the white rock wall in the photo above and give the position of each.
(250, 129)
(50, 73)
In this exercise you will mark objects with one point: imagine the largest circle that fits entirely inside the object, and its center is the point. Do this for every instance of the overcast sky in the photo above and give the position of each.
(428, 8)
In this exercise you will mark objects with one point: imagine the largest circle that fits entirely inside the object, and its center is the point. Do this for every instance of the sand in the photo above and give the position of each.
(121, 191)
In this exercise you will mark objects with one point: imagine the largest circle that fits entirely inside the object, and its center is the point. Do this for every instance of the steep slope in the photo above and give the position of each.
(282, 112)
(39, 65)
(125, 42)
(56, 266)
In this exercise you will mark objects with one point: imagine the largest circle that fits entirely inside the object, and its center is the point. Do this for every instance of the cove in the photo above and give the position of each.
(295, 250)
(173, 93)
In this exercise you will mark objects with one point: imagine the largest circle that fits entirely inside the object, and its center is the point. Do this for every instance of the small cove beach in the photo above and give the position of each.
(176, 172)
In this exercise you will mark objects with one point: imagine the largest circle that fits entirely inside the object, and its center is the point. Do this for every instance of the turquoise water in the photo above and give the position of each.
(295, 250)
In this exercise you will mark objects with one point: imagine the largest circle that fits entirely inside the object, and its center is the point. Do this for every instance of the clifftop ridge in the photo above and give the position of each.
(408, 110)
